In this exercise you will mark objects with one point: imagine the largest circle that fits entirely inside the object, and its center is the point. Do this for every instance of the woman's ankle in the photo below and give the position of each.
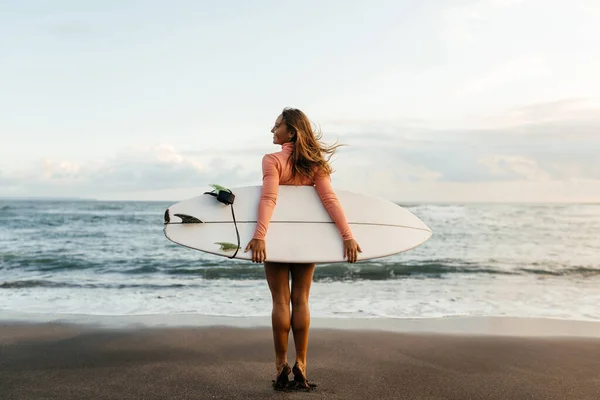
(301, 365)
(280, 364)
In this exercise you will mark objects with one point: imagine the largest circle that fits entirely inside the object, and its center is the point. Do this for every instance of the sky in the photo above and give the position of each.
(434, 100)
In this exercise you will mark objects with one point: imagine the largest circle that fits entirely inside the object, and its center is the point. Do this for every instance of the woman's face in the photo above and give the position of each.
(280, 132)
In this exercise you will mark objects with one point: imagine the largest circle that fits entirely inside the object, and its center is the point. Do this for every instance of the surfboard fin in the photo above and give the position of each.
(219, 188)
(225, 246)
(188, 219)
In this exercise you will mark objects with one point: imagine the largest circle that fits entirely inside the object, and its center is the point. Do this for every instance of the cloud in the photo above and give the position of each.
(67, 29)
(509, 72)
(155, 167)
(547, 147)
(576, 109)
(549, 141)
(515, 167)
(216, 152)
(503, 3)
(458, 21)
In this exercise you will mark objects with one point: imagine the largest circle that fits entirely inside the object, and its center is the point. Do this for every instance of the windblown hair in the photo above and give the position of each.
(310, 157)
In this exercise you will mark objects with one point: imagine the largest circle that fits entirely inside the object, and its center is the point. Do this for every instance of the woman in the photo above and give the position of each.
(301, 161)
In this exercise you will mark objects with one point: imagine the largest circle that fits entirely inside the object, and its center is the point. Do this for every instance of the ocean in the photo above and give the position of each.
(110, 258)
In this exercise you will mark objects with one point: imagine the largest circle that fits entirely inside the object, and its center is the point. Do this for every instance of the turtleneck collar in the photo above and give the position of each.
(287, 147)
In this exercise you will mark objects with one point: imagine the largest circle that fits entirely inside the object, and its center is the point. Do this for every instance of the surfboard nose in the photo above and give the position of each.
(426, 227)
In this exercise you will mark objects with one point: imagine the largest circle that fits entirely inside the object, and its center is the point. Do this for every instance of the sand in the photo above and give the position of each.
(63, 361)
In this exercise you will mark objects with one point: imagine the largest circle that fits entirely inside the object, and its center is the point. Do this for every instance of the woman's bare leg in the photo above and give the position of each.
(278, 278)
(302, 275)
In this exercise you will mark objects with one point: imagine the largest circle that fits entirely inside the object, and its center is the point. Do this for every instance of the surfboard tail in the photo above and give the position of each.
(185, 219)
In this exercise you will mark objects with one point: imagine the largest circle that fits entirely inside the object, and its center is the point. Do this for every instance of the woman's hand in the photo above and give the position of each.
(351, 250)
(258, 248)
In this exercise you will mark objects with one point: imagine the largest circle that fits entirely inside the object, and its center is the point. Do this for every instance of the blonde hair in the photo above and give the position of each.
(310, 157)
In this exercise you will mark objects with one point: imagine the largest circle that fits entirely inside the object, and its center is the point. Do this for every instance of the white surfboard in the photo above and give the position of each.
(300, 229)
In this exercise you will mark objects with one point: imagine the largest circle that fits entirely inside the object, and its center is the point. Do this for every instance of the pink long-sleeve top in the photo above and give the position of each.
(277, 171)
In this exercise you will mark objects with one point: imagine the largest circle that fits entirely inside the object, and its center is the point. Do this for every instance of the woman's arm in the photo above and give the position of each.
(268, 197)
(332, 205)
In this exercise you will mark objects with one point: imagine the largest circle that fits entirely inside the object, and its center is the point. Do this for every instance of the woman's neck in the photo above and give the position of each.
(287, 147)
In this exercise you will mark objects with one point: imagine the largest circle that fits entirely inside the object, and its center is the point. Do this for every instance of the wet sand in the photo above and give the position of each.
(60, 361)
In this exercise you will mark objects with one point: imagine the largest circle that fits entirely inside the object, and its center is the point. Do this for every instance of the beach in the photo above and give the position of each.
(58, 360)
(451, 146)
(96, 304)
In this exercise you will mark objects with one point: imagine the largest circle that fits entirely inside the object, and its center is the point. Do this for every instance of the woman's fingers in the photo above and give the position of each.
(259, 255)
(350, 254)
(258, 249)
(254, 252)
(351, 250)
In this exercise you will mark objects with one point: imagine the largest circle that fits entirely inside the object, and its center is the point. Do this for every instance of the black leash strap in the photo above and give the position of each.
(227, 198)
(237, 233)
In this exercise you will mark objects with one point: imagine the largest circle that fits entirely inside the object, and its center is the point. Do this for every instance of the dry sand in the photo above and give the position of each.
(57, 361)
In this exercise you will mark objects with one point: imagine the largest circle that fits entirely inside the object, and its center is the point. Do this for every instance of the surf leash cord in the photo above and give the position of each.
(226, 197)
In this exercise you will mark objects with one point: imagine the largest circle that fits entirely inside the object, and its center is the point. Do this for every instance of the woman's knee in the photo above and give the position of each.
(299, 297)
(302, 276)
(281, 299)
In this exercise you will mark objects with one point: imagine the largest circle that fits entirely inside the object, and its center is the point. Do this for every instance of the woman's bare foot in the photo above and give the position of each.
(281, 381)
(300, 377)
